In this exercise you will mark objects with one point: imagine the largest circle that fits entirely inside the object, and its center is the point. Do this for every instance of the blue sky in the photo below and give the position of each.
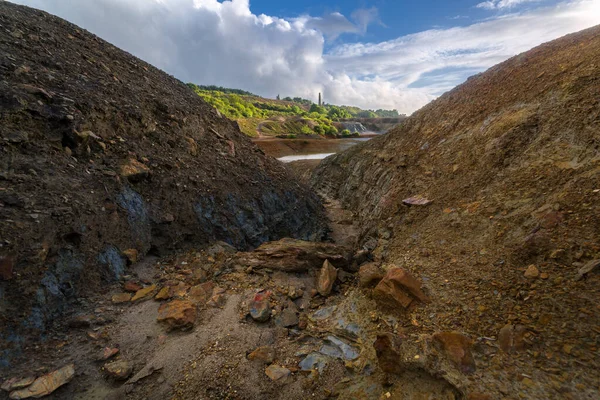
(369, 53)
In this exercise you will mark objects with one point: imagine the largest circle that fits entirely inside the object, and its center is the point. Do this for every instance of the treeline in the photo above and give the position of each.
(222, 89)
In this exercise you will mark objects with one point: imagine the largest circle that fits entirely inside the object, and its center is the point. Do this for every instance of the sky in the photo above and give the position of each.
(390, 54)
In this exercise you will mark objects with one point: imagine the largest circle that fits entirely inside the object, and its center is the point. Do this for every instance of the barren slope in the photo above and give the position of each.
(100, 153)
(511, 163)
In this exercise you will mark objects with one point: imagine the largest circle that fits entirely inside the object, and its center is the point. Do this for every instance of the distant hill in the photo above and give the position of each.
(288, 117)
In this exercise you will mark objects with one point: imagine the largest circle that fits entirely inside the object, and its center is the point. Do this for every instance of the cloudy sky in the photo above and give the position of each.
(390, 54)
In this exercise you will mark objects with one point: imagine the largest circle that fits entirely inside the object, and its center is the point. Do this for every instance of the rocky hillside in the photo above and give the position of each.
(491, 195)
(104, 158)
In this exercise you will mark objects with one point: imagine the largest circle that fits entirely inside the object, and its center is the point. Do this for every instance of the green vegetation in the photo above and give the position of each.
(290, 117)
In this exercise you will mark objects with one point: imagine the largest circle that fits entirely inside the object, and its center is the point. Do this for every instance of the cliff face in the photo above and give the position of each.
(102, 153)
(497, 177)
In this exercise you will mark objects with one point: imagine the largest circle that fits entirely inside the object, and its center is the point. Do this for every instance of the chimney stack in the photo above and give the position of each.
(320, 104)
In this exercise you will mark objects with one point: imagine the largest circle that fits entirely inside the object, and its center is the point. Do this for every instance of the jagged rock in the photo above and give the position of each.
(323, 314)
(131, 255)
(457, 348)
(314, 361)
(511, 338)
(418, 200)
(200, 294)
(337, 348)
(46, 384)
(369, 274)
(326, 278)
(177, 314)
(134, 170)
(17, 383)
(144, 294)
(295, 293)
(275, 372)
(132, 286)
(260, 307)
(398, 288)
(287, 318)
(163, 294)
(266, 354)
(388, 348)
(108, 352)
(118, 370)
(293, 255)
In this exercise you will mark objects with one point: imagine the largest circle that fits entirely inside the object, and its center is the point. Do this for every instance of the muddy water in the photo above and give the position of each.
(290, 150)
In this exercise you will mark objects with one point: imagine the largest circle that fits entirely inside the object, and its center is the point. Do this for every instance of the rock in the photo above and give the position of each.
(388, 348)
(295, 293)
(144, 294)
(134, 170)
(163, 294)
(587, 268)
(287, 318)
(275, 372)
(511, 338)
(266, 354)
(418, 200)
(457, 348)
(369, 274)
(17, 383)
(361, 256)
(221, 248)
(532, 272)
(177, 314)
(313, 361)
(260, 307)
(322, 314)
(200, 294)
(337, 348)
(7, 264)
(107, 353)
(82, 321)
(46, 384)
(131, 255)
(326, 278)
(118, 370)
(293, 255)
(544, 275)
(132, 286)
(397, 288)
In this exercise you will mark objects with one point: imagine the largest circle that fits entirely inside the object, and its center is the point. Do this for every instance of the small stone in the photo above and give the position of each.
(200, 294)
(131, 255)
(134, 170)
(287, 318)
(587, 268)
(275, 372)
(313, 361)
(568, 348)
(177, 314)
(295, 293)
(46, 384)
(512, 338)
(266, 354)
(396, 288)
(260, 307)
(107, 353)
(369, 274)
(544, 275)
(144, 294)
(326, 278)
(7, 264)
(118, 370)
(132, 286)
(457, 348)
(532, 272)
(163, 294)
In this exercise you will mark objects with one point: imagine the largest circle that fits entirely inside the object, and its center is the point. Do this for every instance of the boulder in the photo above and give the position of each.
(177, 314)
(398, 288)
(326, 278)
(293, 255)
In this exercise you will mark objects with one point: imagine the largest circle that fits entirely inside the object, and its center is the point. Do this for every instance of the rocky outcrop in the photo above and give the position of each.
(102, 154)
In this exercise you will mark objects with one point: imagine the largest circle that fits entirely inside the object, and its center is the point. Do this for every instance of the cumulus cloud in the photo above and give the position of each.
(225, 43)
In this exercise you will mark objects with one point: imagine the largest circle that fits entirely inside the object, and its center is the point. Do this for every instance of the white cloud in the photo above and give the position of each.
(502, 4)
(224, 43)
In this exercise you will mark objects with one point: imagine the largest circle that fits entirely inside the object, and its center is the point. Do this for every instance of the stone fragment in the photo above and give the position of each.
(337, 348)
(107, 353)
(132, 286)
(532, 272)
(388, 348)
(177, 314)
(275, 372)
(200, 294)
(131, 255)
(260, 307)
(396, 289)
(511, 338)
(266, 354)
(293, 255)
(144, 294)
(314, 361)
(134, 170)
(322, 314)
(587, 268)
(369, 274)
(163, 294)
(82, 321)
(295, 293)
(287, 318)
(17, 383)
(118, 370)
(44, 385)
(457, 348)
(417, 200)
(326, 278)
